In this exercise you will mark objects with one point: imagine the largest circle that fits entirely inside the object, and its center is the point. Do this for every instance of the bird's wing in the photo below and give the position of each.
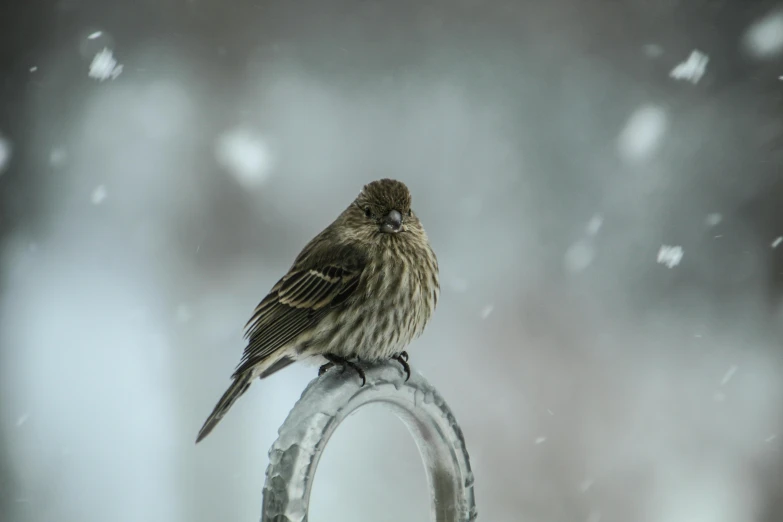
(321, 279)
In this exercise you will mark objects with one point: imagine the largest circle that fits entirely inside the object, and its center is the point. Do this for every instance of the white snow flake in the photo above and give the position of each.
(642, 134)
(5, 154)
(594, 225)
(94, 35)
(713, 219)
(540, 440)
(764, 39)
(670, 255)
(729, 374)
(98, 195)
(246, 156)
(778, 240)
(486, 311)
(579, 256)
(104, 66)
(691, 69)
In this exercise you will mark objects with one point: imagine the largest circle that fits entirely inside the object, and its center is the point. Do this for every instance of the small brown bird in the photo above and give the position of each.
(363, 288)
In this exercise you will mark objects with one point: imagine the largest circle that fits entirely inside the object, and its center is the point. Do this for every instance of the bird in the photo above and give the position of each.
(361, 290)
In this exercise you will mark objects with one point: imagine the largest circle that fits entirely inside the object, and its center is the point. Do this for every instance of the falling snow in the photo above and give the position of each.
(33, 68)
(670, 255)
(98, 195)
(486, 311)
(764, 39)
(653, 50)
(21, 420)
(183, 313)
(692, 69)
(458, 285)
(246, 156)
(579, 256)
(5, 154)
(594, 225)
(729, 374)
(104, 66)
(713, 219)
(57, 157)
(642, 134)
(586, 484)
(95, 35)
(540, 440)
(778, 240)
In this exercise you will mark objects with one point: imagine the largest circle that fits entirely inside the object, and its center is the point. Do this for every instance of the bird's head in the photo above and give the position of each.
(383, 207)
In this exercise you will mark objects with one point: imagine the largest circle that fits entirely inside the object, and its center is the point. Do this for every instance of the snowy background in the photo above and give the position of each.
(602, 182)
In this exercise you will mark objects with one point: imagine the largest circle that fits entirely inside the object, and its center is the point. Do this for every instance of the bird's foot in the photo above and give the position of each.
(335, 360)
(403, 360)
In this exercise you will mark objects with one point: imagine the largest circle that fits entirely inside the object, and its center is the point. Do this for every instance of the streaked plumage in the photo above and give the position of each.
(363, 288)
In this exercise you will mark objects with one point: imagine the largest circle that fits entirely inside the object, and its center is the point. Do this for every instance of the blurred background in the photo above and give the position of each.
(601, 180)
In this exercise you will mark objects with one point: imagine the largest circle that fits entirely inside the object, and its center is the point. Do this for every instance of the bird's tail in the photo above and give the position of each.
(238, 387)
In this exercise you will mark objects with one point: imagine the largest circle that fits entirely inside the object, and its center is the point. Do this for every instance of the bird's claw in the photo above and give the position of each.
(403, 360)
(335, 360)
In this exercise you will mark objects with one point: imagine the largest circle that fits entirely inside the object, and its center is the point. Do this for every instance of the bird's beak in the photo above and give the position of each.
(392, 222)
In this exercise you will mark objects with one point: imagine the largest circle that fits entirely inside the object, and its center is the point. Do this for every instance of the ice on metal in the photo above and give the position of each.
(670, 255)
(332, 397)
(692, 69)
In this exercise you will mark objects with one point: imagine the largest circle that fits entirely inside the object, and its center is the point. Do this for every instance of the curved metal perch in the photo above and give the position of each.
(328, 400)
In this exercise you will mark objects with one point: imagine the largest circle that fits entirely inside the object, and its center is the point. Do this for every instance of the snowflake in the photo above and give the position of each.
(5, 154)
(246, 155)
(98, 195)
(670, 255)
(691, 69)
(643, 133)
(104, 66)
(764, 38)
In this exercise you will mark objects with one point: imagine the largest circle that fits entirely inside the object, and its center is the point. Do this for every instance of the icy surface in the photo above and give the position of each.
(328, 400)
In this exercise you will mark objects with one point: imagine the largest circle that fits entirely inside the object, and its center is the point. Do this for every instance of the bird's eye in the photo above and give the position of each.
(367, 212)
